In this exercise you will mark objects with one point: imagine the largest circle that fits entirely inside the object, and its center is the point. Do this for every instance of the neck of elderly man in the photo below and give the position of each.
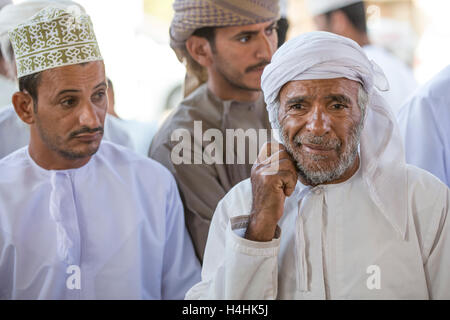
(234, 58)
(65, 110)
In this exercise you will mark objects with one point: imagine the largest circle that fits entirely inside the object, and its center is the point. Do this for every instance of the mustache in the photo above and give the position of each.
(256, 66)
(309, 138)
(85, 130)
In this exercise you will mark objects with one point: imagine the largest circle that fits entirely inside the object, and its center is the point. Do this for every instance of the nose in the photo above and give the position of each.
(88, 116)
(265, 48)
(318, 123)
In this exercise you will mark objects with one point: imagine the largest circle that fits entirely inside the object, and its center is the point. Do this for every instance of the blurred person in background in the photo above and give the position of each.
(227, 44)
(425, 126)
(348, 18)
(7, 84)
(15, 134)
(111, 100)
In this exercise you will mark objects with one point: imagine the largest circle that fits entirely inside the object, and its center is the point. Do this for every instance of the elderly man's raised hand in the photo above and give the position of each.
(273, 178)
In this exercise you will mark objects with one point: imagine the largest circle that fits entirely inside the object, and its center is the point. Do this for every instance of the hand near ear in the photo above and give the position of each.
(273, 178)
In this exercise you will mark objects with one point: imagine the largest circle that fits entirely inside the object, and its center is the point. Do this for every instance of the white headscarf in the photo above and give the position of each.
(323, 55)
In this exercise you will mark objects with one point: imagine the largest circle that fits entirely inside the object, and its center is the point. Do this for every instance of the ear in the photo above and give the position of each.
(23, 104)
(200, 50)
(340, 23)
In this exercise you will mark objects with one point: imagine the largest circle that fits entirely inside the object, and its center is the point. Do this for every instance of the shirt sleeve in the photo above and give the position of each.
(234, 267)
(437, 266)
(181, 268)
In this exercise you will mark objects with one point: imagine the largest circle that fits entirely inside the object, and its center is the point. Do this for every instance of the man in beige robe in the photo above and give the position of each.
(228, 44)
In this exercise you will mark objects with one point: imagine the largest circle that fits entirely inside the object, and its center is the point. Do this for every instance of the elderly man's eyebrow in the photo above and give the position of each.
(298, 99)
(339, 98)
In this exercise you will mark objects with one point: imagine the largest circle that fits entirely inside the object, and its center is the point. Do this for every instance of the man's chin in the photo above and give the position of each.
(250, 87)
(78, 154)
(249, 83)
(316, 177)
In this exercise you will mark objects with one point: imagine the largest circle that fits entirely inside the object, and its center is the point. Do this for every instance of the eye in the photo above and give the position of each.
(99, 96)
(271, 30)
(338, 106)
(69, 102)
(297, 106)
(244, 39)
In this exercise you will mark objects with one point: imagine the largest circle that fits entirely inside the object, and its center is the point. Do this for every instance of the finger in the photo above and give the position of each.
(276, 167)
(268, 149)
(279, 162)
(289, 180)
(277, 156)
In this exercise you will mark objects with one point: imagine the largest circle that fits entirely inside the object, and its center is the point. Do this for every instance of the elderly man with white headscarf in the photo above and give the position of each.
(343, 216)
(14, 134)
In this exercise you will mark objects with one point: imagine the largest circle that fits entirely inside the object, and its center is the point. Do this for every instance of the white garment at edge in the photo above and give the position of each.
(7, 89)
(424, 122)
(112, 229)
(401, 78)
(352, 251)
(15, 134)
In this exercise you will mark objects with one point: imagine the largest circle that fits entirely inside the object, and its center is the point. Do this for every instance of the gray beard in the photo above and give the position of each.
(318, 172)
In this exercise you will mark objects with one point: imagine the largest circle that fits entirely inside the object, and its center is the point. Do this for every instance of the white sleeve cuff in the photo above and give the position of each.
(235, 234)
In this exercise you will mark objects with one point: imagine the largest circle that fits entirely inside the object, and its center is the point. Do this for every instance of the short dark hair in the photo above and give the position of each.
(30, 83)
(209, 33)
(356, 13)
(283, 26)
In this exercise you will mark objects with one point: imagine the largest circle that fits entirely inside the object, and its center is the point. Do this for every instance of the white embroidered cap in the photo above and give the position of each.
(52, 38)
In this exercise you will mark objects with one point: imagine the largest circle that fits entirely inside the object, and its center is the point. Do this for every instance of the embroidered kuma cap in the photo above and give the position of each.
(54, 37)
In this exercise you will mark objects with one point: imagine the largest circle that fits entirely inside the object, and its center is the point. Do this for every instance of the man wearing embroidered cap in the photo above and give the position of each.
(226, 43)
(14, 133)
(343, 217)
(82, 218)
(348, 18)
